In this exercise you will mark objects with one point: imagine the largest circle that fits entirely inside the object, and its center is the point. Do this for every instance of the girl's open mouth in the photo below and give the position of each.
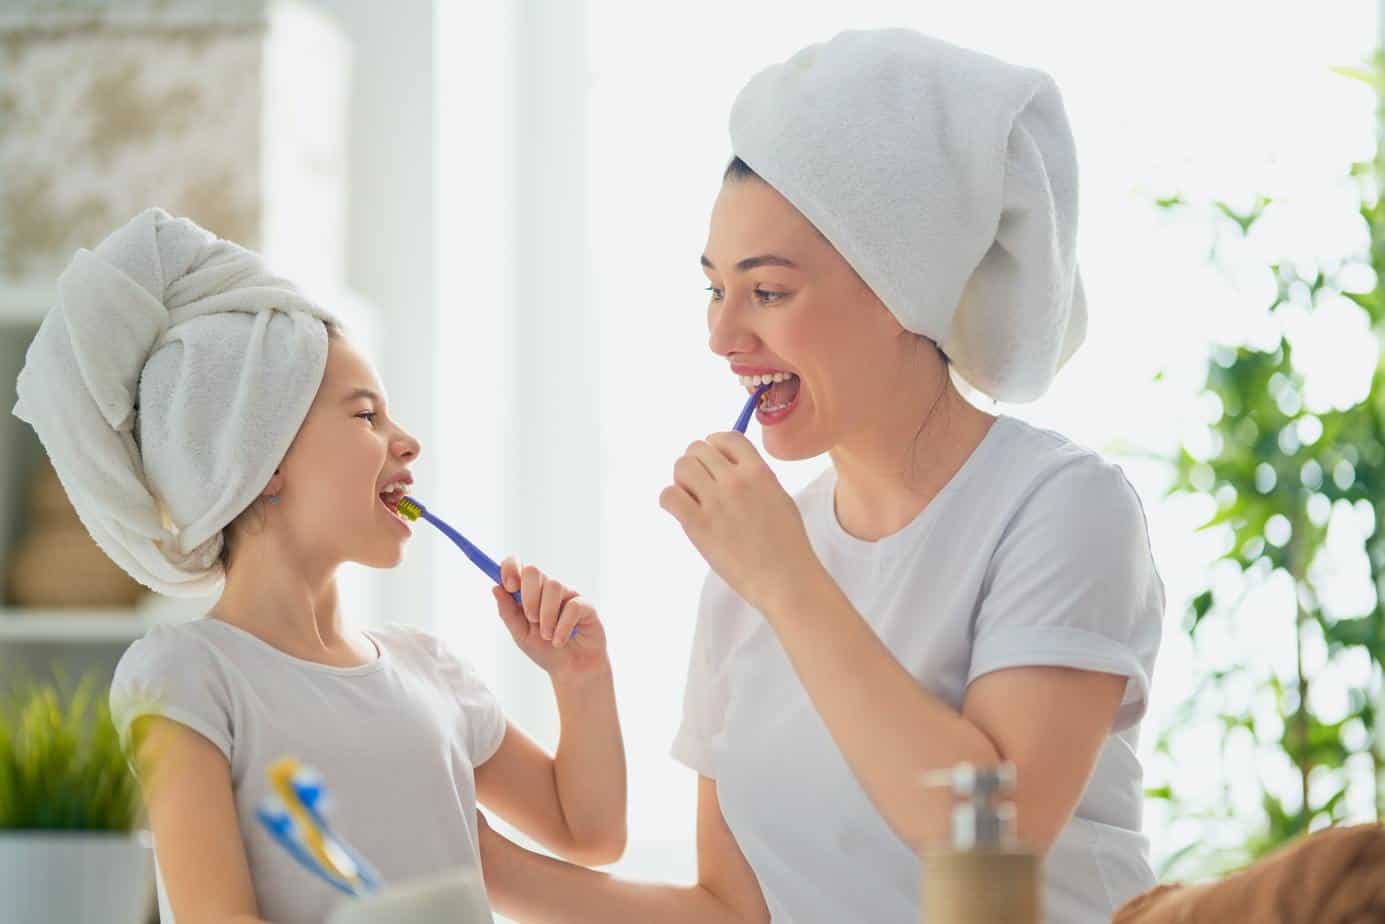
(390, 498)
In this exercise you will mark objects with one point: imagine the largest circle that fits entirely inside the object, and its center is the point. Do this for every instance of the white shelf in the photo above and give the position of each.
(92, 626)
(67, 627)
(25, 304)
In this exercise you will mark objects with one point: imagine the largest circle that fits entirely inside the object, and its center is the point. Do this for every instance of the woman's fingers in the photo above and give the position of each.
(734, 447)
(692, 476)
(714, 455)
(678, 502)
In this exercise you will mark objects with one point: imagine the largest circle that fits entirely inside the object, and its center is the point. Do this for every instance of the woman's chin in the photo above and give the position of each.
(785, 445)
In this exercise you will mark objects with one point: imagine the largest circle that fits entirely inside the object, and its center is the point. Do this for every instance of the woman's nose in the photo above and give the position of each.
(727, 333)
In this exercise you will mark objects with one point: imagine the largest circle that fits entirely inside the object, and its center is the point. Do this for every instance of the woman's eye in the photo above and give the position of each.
(769, 298)
(716, 293)
(368, 415)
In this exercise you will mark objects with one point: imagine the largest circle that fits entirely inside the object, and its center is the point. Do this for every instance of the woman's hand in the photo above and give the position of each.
(544, 626)
(740, 518)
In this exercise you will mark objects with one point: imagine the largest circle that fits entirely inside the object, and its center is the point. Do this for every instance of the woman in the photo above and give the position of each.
(956, 587)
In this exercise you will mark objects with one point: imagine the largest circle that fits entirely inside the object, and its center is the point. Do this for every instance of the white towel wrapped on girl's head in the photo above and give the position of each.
(166, 385)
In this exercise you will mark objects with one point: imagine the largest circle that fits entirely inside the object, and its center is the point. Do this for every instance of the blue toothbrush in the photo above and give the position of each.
(412, 510)
(744, 420)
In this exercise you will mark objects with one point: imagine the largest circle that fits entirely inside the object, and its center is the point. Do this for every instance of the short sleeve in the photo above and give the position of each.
(707, 693)
(482, 719)
(1072, 583)
(176, 675)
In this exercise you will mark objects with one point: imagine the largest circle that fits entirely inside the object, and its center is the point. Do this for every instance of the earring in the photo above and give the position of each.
(274, 499)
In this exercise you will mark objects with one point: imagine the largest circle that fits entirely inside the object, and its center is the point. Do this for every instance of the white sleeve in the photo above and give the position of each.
(483, 721)
(1073, 584)
(175, 675)
(706, 695)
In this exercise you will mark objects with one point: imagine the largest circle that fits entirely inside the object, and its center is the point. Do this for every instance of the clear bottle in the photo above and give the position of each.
(982, 875)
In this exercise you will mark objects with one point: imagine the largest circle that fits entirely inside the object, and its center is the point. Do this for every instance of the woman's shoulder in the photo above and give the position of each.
(1036, 460)
(1042, 475)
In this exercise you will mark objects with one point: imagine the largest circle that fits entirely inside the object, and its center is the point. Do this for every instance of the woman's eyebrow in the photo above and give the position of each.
(749, 263)
(362, 393)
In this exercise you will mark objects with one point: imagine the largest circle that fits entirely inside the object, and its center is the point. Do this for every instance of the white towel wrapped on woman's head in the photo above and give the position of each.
(947, 179)
(166, 386)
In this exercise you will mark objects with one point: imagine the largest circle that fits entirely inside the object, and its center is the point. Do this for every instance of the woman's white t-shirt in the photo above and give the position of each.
(1035, 554)
(396, 741)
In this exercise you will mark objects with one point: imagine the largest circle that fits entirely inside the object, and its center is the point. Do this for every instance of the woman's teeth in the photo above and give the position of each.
(781, 394)
(755, 381)
(771, 408)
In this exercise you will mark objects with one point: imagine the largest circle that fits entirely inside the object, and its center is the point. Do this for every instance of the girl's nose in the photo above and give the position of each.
(406, 447)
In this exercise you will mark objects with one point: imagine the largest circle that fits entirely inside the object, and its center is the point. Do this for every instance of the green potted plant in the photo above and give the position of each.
(69, 807)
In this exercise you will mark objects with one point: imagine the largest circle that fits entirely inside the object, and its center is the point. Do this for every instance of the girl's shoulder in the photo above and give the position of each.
(187, 645)
(417, 647)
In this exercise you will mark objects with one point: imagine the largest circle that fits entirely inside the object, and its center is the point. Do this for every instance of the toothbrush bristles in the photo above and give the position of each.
(407, 509)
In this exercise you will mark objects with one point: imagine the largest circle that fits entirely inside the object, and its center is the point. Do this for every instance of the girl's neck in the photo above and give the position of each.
(290, 606)
(890, 471)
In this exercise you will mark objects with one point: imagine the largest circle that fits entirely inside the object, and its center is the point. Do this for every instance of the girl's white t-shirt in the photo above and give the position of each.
(1035, 553)
(396, 741)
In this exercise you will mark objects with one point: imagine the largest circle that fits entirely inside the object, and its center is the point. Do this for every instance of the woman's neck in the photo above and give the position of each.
(291, 606)
(889, 472)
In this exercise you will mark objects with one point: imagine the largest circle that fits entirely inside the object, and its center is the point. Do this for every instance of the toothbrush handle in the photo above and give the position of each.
(478, 558)
(743, 421)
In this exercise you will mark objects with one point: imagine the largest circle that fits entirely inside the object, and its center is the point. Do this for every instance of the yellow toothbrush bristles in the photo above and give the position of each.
(408, 509)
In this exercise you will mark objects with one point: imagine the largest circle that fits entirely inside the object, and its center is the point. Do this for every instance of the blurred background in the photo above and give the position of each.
(507, 200)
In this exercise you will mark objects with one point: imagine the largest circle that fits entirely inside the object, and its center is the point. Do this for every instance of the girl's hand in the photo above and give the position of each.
(740, 518)
(543, 626)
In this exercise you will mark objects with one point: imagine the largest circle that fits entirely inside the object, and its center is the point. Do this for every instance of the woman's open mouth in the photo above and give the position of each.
(779, 401)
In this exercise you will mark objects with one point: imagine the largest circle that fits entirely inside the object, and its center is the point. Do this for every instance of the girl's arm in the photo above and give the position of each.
(538, 890)
(186, 783)
(574, 801)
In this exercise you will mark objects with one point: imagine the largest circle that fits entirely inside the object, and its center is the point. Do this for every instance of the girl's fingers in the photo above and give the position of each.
(509, 574)
(530, 589)
(551, 602)
(574, 612)
(510, 613)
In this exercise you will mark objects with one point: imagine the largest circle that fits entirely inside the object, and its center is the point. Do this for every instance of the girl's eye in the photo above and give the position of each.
(368, 415)
(716, 293)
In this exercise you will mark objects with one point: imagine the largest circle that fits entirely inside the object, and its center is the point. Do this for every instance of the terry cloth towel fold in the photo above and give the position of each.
(947, 179)
(1336, 876)
(166, 385)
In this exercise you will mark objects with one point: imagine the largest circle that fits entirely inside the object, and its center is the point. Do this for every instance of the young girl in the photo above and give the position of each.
(261, 452)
